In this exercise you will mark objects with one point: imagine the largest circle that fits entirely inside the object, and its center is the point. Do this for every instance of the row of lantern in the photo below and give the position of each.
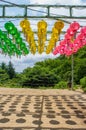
(71, 42)
(56, 30)
(11, 43)
(29, 35)
(15, 45)
(42, 33)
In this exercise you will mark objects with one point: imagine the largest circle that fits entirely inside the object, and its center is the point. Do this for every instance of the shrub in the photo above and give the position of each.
(83, 82)
(61, 85)
(84, 89)
(75, 87)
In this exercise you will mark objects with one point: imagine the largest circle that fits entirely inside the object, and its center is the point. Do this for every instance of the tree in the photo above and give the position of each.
(3, 76)
(11, 70)
(39, 76)
(3, 66)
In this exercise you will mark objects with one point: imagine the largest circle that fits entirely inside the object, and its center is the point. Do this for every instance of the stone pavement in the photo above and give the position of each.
(32, 109)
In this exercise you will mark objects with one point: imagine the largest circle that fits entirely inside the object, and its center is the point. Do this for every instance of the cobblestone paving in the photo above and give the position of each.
(42, 112)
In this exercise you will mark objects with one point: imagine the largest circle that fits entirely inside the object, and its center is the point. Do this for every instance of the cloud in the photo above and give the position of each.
(61, 2)
(51, 2)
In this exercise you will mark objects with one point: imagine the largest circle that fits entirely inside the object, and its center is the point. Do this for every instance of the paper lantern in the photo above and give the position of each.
(74, 26)
(18, 40)
(70, 32)
(9, 26)
(26, 51)
(25, 23)
(67, 36)
(55, 52)
(16, 35)
(83, 30)
(59, 25)
(13, 32)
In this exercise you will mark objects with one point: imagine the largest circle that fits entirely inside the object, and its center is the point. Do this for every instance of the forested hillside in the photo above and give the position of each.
(47, 73)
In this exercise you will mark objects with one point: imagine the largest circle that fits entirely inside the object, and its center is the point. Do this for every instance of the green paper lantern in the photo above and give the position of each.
(14, 50)
(13, 32)
(4, 48)
(1, 32)
(18, 40)
(17, 35)
(9, 26)
(22, 47)
(10, 53)
(26, 51)
(3, 36)
(18, 52)
(7, 41)
(12, 47)
(23, 44)
(0, 45)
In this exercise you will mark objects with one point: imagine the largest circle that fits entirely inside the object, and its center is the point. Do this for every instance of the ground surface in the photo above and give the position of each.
(31, 109)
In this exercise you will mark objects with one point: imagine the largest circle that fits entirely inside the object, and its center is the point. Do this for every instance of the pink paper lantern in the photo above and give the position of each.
(83, 30)
(84, 42)
(74, 26)
(63, 42)
(67, 36)
(75, 49)
(70, 32)
(71, 45)
(55, 52)
(68, 53)
(81, 36)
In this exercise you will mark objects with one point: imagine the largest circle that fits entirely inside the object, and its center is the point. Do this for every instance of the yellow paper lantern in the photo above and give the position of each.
(59, 24)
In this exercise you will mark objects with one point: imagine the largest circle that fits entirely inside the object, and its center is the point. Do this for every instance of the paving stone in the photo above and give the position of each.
(42, 112)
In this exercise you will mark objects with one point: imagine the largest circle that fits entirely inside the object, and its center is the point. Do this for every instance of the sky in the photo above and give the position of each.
(28, 61)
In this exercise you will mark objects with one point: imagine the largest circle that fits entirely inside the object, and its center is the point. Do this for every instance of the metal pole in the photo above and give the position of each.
(72, 72)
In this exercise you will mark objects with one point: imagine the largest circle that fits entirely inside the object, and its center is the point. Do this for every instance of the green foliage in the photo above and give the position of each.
(61, 85)
(11, 70)
(80, 69)
(83, 82)
(3, 66)
(84, 89)
(76, 87)
(3, 76)
(39, 76)
(11, 83)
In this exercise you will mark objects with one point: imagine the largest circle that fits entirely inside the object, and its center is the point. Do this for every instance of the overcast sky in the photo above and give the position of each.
(29, 60)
